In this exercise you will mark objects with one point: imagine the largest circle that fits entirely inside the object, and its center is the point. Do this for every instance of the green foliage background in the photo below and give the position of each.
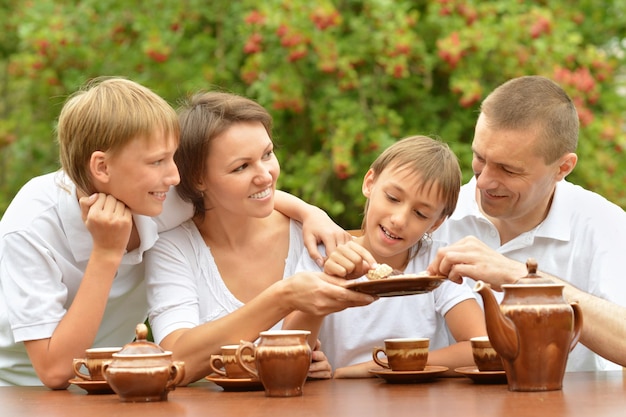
(343, 79)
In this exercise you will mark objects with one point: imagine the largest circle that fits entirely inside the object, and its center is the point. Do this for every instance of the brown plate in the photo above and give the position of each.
(407, 284)
(236, 384)
(93, 387)
(407, 377)
(482, 377)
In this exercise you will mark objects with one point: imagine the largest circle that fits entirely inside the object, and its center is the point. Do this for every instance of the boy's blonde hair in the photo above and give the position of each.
(431, 160)
(105, 115)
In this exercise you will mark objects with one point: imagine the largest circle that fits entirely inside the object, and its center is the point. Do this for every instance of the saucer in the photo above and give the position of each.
(93, 387)
(482, 377)
(236, 384)
(407, 377)
(398, 285)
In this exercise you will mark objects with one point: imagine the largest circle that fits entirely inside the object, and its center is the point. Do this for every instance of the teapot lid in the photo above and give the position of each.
(141, 346)
(533, 278)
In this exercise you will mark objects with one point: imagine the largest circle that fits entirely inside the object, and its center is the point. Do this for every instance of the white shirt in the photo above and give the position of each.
(175, 211)
(44, 249)
(582, 241)
(349, 336)
(185, 288)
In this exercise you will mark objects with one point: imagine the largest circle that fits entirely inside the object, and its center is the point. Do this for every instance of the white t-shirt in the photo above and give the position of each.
(175, 211)
(185, 288)
(582, 241)
(44, 249)
(349, 336)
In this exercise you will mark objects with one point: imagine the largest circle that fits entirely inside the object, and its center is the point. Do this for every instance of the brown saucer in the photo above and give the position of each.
(407, 377)
(482, 377)
(396, 285)
(92, 387)
(236, 384)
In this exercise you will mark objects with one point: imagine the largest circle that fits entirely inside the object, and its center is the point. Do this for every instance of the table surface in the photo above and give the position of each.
(584, 394)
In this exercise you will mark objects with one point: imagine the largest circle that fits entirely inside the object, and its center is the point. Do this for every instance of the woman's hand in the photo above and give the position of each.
(319, 294)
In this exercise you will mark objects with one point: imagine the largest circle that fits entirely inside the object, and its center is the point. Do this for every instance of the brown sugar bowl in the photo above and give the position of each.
(142, 371)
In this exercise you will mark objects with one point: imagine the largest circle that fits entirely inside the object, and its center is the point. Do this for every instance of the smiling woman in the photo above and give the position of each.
(218, 278)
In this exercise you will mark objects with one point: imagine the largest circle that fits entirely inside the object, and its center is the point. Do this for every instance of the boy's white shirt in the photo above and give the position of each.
(42, 267)
(349, 336)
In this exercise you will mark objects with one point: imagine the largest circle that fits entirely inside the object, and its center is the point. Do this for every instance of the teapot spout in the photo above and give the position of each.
(501, 330)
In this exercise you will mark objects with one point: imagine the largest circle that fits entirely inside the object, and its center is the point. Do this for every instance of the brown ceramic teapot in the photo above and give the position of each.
(142, 371)
(533, 330)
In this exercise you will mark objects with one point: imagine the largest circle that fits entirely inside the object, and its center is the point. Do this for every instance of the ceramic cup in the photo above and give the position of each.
(94, 359)
(403, 354)
(282, 359)
(227, 364)
(485, 357)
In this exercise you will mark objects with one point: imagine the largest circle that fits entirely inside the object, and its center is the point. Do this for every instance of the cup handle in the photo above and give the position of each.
(78, 364)
(243, 347)
(177, 373)
(379, 362)
(216, 363)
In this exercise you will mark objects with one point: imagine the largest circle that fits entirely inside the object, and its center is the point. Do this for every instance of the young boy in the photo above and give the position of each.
(411, 188)
(72, 241)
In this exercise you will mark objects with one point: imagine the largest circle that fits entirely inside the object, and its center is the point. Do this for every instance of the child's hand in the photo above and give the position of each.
(108, 220)
(349, 261)
(320, 367)
(318, 227)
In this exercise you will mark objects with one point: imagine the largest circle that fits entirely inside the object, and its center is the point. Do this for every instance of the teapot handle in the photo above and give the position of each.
(578, 324)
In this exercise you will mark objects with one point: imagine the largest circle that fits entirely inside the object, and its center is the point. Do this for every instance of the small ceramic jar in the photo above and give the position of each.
(142, 371)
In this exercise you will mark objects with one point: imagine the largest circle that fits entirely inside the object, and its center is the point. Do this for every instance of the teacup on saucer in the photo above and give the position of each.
(485, 356)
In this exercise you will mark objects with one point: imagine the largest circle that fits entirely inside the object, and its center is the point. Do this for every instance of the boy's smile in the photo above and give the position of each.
(142, 173)
(400, 211)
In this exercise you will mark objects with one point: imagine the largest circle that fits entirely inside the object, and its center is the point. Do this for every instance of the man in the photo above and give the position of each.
(519, 205)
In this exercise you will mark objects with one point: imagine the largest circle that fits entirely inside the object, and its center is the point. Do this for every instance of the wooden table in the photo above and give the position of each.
(588, 394)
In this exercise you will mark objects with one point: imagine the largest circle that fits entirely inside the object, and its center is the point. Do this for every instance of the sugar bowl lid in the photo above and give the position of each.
(141, 345)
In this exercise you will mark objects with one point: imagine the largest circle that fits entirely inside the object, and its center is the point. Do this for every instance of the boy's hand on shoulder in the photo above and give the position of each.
(108, 220)
(317, 228)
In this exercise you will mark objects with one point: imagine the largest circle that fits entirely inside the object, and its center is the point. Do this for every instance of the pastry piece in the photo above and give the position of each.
(380, 271)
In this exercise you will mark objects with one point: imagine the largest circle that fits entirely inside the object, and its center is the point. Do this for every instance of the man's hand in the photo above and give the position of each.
(470, 257)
